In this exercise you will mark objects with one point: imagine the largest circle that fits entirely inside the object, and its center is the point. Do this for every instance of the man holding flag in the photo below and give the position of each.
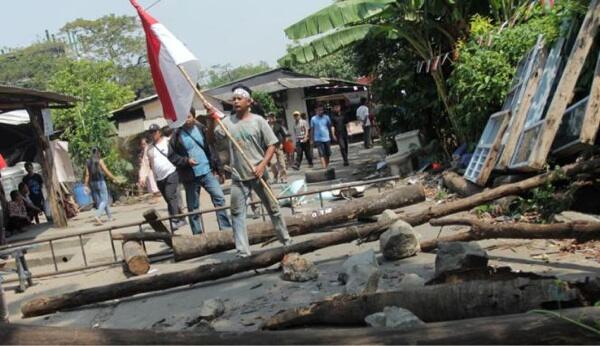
(257, 140)
(175, 72)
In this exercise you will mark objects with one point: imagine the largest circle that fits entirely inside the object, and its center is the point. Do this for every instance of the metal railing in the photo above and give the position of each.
(110, 229)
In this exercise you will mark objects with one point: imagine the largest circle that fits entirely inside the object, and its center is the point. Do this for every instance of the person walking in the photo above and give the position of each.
(279, 169)
(302, 139)
(256, 138)
(320, 127)
(197, 165)
(146, 179)
(362, 114)
(95, 172)
(163, 172)
(340, 131)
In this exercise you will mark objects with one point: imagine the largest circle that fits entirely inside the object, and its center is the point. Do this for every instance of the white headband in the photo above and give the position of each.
(242, 93)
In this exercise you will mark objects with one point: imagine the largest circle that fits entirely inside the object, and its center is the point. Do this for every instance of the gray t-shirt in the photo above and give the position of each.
(254, 135)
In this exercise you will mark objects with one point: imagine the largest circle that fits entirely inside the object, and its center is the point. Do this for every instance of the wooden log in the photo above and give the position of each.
(565, 88)
(457, 184)
(152, 217)
(144, 236)
(517, 188)
(591, 121)
(46, 305)
(186, 247)
(135, 258)
(436, 303)
(581, 231)
(517, 329)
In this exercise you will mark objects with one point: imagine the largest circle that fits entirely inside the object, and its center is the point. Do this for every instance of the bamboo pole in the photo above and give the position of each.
(228, 134)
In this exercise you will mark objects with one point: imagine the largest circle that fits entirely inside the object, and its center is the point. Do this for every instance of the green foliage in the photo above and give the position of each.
(487, 63)
(484, 209)
(223, 74)
(32, 67)
(341, 64)
(266, 102)
(479, 84)
(543, 200)
(88, 124)
(118, 39)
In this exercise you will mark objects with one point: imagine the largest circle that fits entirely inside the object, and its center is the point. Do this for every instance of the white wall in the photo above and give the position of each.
(295, 102)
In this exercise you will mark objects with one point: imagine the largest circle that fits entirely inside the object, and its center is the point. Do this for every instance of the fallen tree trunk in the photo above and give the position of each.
(518, 188)
(582, 231)
(187, 247)
(152, 217)
(46, 305)
(135, 258)
(517, 329)
(457, 184)
(144, 236)
(436, 303)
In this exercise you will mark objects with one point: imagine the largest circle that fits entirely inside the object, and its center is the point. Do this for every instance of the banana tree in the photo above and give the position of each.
(427, 27)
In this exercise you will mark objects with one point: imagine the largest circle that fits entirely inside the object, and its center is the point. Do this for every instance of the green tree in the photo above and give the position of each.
(266, 102)
(117, 39)
(428, 28)
(223, 74)
(88, 124)
(32, 66)
(341, 64)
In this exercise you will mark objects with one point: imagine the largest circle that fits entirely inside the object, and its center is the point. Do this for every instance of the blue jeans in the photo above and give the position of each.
(100, 195)
(192, 195)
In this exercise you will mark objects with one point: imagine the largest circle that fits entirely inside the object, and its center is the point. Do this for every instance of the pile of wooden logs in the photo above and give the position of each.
(474, 299)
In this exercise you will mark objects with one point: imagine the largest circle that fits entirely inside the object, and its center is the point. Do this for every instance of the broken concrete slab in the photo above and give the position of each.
(297, 268)
(399, 241)
(360, 273)
(456, 256)
(394, 317)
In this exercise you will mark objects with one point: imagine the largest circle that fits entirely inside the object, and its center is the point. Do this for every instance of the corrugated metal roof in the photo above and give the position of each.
(278, 85)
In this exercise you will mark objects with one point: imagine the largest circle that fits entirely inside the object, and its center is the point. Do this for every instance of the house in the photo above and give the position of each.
(291, 91)
(294, 91)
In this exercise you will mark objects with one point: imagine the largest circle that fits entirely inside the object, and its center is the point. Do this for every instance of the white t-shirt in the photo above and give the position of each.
(161, 166)
(362, 113)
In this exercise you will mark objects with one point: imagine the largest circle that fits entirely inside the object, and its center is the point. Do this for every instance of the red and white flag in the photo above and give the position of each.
(165, 53)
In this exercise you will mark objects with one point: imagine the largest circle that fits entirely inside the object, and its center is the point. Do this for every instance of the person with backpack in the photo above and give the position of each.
(198, 166)
(164, 172)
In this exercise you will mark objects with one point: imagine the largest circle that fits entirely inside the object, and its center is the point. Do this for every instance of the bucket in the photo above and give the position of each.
(81, 196)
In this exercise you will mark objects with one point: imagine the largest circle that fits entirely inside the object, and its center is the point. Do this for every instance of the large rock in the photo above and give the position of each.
(399, 241)
(360, 273)
(298, 268)
(456, 256)
(388, 215)
(211, 309)
(394, 317)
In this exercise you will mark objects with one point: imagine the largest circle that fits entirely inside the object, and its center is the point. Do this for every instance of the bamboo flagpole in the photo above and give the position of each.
(228, 134)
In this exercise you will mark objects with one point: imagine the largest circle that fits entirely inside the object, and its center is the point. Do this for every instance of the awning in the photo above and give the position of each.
(278, 85)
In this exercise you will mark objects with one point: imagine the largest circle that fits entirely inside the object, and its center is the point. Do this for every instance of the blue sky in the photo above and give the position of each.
(217, 31)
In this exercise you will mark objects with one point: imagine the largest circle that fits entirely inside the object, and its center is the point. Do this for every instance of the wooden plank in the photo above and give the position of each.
(55, 196)
(591, 122)
(518, 118)
(566, 86)
(517, 329)
(490, 161)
